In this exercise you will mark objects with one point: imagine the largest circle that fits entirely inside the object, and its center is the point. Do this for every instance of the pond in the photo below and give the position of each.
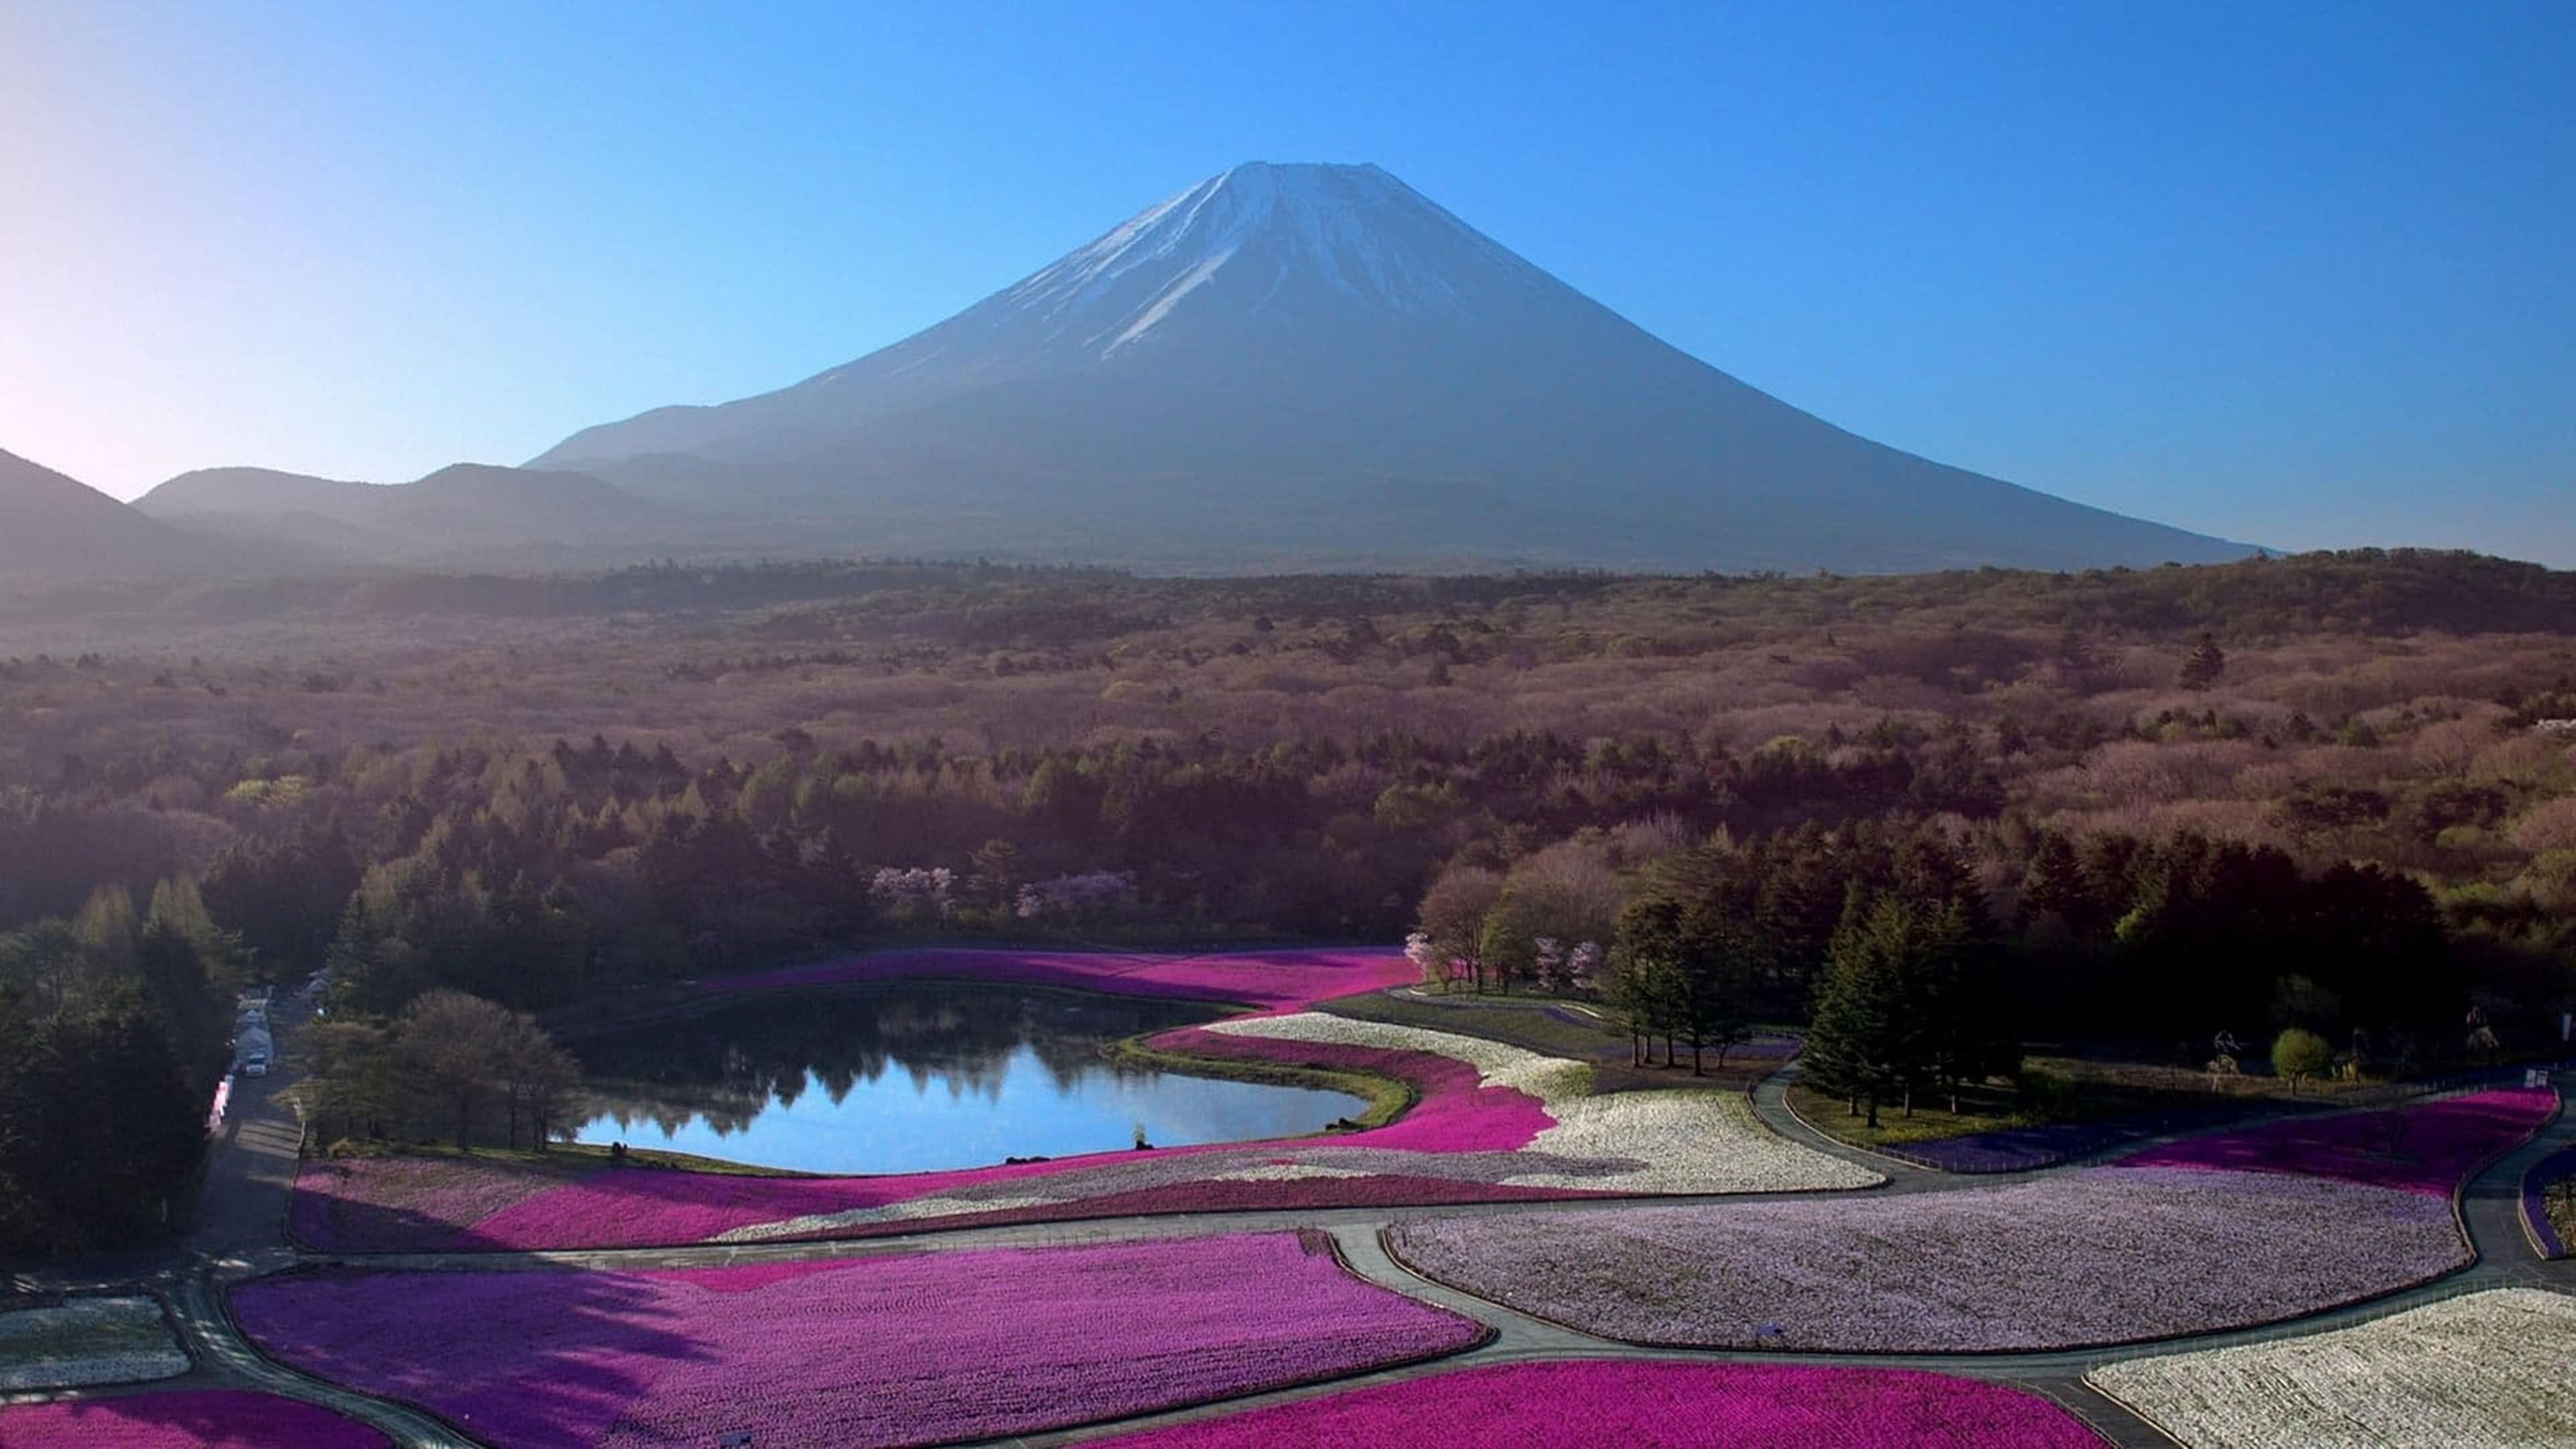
(920, 1077)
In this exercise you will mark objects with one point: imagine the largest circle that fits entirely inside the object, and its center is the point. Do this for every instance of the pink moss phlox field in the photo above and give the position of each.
(2093, 1256)
(1271, 980)
(1608, 1404)
(2424, 1147)
(189, 1419)
(917, 1348)
(424, 1204)
(1453, 1111)
(640, 1208)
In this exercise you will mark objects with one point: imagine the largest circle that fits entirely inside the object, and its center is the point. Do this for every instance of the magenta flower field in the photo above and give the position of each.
(1610, 1404)
(916, 1348)
(1271, 980)
(427, 1204)
(190, 1419)
(1453, 1113)
(2424, 1147)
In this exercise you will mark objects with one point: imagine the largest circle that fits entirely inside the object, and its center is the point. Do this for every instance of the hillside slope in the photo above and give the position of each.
(1317, 364)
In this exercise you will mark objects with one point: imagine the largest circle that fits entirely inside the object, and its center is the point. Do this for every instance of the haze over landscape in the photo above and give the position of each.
(1628, 729)
(1282, 366)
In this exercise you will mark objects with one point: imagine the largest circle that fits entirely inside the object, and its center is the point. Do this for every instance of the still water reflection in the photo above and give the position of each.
(919, 1077)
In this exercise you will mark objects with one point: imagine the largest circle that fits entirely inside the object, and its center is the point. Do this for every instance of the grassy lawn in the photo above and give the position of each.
(1541, 1024)
(566, 1157)
(1387, 1098)
(2064, 1089)
(1527, 1022)
(1984, 1109)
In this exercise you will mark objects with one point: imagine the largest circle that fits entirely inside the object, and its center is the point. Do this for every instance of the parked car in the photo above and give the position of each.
(252, 1047)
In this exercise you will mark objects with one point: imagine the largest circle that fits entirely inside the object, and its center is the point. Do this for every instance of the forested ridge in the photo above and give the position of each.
(2328, 791)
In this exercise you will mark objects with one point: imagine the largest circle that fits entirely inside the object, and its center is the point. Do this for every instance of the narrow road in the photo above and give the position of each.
(250, 1174)
(1771, 1104)
(212, 1339)
(239, 1232)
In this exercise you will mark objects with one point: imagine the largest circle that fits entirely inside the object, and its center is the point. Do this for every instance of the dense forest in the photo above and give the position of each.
(2333, 792)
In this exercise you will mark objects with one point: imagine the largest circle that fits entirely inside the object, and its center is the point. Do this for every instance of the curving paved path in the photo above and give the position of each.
(237, 1230)
(240, 1234)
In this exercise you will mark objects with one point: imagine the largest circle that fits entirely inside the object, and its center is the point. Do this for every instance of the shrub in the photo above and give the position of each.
(2299, 1053)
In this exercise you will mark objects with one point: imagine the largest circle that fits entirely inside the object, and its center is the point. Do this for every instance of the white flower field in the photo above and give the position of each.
(2495, 1369)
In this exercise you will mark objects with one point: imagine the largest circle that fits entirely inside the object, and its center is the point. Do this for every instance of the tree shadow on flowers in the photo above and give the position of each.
(536, 1356)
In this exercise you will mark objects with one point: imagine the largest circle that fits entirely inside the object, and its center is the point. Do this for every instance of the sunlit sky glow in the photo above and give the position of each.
(2295, 273)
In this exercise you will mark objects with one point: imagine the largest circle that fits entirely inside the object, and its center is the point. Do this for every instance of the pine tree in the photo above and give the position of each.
(1718, 960)
(2202, 667)
(1645, 977)
(1860, 1045)
(1965, 1025)
(2054, 884)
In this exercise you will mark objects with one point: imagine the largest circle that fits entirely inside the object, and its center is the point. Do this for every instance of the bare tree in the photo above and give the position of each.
(540, 1080)
(1454, 911)
(449, 1047)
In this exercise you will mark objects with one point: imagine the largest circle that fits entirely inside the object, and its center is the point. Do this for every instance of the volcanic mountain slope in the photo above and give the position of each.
(468, 509)
(54, 528)
(1316, 364)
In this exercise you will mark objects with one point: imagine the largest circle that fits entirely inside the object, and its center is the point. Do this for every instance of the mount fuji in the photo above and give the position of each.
(1295, 365)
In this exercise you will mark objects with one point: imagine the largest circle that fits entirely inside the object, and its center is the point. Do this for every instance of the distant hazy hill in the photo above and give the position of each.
(56, 528)
(468, 508)
(1315, 364)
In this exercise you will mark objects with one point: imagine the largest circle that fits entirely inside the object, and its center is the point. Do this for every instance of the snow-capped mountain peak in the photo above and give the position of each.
(1296, 235)
(1318, 360)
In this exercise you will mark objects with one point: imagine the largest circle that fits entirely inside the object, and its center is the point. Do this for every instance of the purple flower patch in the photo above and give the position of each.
(2423, 1147)
(916, 1348)
(2024, 1149)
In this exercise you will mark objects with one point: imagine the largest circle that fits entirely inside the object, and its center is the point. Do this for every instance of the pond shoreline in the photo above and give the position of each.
(718, 1076)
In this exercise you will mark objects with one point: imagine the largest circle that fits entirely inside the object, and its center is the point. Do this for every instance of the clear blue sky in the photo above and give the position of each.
(2297, 273)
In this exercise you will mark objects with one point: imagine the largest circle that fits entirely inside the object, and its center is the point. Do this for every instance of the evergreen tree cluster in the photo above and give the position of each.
(118, 1023)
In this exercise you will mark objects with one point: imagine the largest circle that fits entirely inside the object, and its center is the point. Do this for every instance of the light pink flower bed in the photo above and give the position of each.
(1270, 980)
(2226, 1231)
(1623, 1405)
(2095, 1256)
(920, 1348)
(2423, 1147)
(191, 1419)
